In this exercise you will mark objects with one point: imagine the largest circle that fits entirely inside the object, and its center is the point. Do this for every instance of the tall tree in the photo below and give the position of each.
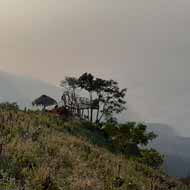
(87, 82)
(111, 98)
(70, 86)
(105, 96)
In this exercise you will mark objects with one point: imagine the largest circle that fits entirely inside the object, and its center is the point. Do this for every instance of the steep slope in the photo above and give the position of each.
(43, 152)
(23, 90)
(175, 149)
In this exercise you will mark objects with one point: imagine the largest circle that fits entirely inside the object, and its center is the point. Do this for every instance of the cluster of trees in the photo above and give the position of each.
(131, 139)
(93, 98)
(89, 98)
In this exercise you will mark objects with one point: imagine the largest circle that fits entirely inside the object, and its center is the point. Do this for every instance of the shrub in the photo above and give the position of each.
(127, 137)
(151, 158)
(9, 106)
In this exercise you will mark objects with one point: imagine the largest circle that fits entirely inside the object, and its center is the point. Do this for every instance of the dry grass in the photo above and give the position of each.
(42, 152)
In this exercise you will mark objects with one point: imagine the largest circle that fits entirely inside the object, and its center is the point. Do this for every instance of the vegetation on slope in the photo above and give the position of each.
(42, 152)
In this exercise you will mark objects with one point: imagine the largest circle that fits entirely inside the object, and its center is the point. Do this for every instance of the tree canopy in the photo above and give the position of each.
(104, 96)
(131, 133)
(129, 139)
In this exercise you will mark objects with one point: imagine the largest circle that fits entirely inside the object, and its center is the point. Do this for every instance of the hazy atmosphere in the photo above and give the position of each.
(143, 44)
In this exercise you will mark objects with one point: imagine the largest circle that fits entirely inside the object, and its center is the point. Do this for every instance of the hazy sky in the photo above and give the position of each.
(144, 44)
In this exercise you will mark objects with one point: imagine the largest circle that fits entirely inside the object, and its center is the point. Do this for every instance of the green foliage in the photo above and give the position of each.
(151, 158)
(127, 138)
(9, 106)
(131, 132)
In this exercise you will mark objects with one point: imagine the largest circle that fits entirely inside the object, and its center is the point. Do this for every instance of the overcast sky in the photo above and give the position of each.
(144, 44)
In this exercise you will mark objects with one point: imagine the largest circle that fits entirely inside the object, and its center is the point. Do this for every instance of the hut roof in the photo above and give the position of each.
(44, 100)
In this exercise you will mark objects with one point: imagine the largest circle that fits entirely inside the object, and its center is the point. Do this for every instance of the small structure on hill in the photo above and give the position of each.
(78, 106)
(44, 101)
(68, 107)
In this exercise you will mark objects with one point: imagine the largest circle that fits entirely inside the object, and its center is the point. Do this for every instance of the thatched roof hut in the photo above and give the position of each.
(44, 101)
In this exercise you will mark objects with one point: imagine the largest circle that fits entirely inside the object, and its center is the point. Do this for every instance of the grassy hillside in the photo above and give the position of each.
(43, 152)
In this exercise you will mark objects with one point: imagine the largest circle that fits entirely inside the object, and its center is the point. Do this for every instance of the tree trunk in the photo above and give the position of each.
(97, 115)
(91, 108)
(88, 115)
(98, 111)
(82, 113)
(91, 115)
(44, 108)
(100, 118)
(103, 112)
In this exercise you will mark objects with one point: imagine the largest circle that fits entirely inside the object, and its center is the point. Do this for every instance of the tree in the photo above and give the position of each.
(70, 100)
(70, 83)
(111, 99)
(105, 96)
(87, 82)
(128, 136)
(44, 101)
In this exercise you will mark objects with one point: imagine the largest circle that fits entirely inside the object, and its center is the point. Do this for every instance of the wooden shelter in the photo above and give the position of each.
(44, 101)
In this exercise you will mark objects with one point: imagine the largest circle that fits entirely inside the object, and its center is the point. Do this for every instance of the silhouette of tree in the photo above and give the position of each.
(111, 99)
(87, 82)
(105, 96)
(70, 99)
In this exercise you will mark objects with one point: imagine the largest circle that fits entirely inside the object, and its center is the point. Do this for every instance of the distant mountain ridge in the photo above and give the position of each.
(24, 90)
(174, 147)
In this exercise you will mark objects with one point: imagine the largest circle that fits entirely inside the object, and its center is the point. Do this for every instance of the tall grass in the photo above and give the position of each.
(42, 152)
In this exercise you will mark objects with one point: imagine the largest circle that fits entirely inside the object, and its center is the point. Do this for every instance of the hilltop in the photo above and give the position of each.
(40, 151)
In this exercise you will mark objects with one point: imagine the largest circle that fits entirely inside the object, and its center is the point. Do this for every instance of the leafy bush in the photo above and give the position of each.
(127, 137)
(151, 158)
(9, 106)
